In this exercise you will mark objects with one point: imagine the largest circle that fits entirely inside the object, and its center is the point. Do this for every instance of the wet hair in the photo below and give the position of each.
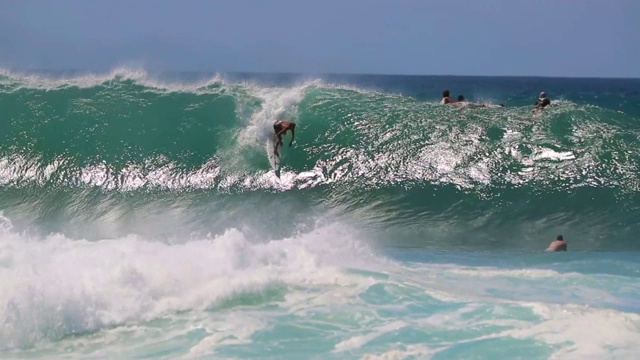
(460, 98)
(560, 238)
(445, 93)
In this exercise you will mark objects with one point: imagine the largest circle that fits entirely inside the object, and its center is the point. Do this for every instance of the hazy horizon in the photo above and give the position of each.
(119, 69)
(594, 39)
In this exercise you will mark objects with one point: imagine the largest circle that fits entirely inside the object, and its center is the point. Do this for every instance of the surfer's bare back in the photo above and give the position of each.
(281, 127)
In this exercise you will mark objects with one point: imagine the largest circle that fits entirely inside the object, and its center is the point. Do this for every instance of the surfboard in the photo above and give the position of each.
(274, 159)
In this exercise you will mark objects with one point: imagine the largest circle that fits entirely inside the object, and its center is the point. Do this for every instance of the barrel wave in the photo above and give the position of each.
(108, 153)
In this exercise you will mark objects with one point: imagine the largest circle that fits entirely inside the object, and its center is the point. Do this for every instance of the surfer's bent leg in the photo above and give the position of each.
(278, 140)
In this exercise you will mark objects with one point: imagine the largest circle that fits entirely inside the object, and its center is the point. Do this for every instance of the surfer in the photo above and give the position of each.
(281, 127)
(462, 102)
(557, 245)
(446, 98)
(542, 101)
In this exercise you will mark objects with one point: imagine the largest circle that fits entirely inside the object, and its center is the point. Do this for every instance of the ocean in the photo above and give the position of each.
(140, 218)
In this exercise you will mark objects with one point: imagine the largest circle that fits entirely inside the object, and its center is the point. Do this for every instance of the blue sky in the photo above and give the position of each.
(586, 38)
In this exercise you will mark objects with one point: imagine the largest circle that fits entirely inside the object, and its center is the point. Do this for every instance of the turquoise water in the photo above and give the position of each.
(140, 218)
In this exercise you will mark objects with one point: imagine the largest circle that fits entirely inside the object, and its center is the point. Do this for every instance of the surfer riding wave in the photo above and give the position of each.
(280, 128)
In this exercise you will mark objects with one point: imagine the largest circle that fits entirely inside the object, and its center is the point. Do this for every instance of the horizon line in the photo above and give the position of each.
(292, 73)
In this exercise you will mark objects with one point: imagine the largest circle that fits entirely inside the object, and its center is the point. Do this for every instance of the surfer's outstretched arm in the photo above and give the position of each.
(293, 134)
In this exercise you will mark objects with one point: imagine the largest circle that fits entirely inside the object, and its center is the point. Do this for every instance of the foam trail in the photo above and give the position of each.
(277, 103)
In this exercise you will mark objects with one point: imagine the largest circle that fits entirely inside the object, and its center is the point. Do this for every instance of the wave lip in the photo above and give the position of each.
(51, 81)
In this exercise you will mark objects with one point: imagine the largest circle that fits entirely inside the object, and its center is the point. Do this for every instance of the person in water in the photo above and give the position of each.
(446, 98)
(462, 102)
(281, 127)
(557, 245)
(542, 101)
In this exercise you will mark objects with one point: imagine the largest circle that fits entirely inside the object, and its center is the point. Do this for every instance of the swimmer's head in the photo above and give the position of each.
(560, 238)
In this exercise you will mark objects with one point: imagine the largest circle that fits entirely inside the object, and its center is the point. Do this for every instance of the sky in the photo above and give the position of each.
(558, 38)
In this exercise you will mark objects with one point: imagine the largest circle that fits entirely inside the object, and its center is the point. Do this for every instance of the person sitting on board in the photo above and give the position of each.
(542, 101)
(281, 127)
(557, 245)
(446, 98)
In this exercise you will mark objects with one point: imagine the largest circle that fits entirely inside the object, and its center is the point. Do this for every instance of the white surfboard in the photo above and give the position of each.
(274, 159)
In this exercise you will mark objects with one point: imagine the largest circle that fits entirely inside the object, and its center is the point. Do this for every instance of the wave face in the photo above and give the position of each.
(108, 153)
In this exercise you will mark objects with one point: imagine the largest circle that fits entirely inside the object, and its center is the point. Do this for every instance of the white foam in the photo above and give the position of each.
(57, 286)
(402, 352)
(18, 80)
(156, 172)
(585, 333)
(277, 103)
(356, 342)
(232, 329)
(553, 155)
(491, 272)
